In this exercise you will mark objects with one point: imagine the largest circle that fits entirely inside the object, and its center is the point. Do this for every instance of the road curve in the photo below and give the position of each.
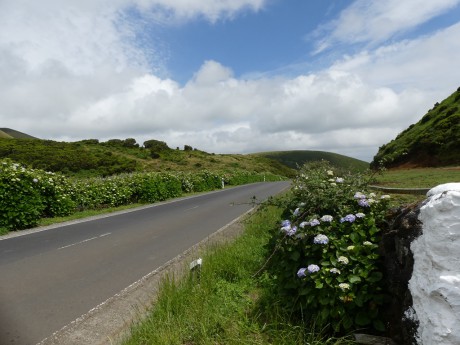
(50, 278)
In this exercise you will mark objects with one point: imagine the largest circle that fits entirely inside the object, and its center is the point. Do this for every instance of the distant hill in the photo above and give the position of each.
(434, 141)
(295, 159)
(93, 158)
(13, 134)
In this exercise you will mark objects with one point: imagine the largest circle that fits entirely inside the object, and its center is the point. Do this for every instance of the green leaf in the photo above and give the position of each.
(379, 325)
(375, 277)
(354, 237)
(362, 319)
(295, 256)
(347, 322)
(319, 285)
(354, 279)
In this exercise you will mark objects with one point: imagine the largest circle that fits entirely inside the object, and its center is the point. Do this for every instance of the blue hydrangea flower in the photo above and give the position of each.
(348, 218)
(301, 272)
(304, 224)
(313, 268)
(320, 239)
(296, 212)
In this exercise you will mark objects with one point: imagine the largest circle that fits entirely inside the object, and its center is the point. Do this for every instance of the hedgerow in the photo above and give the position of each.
(26, 195)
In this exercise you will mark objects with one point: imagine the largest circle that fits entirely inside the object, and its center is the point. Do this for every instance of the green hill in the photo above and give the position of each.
(294, 159)
(93, 158)
(434, 141)
(11, 133)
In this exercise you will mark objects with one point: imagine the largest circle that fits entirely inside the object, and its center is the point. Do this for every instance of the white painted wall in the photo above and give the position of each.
(435, 282)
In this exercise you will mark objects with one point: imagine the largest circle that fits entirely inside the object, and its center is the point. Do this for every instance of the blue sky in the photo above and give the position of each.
(234, 76)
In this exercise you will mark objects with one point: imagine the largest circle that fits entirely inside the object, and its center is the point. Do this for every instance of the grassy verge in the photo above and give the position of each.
(416, 178)
(226, 304)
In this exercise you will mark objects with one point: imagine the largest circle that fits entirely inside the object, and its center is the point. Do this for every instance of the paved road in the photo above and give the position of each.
(50, 278)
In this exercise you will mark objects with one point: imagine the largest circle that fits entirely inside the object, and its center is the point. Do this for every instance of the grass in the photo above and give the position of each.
(415, 178)
(418, 178)
(226, 303)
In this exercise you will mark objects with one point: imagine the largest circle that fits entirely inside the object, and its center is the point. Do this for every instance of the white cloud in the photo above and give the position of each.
(376, 21)
(179, 10)
(69, 72)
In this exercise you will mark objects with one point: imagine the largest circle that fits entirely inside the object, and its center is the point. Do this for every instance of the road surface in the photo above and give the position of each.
(50, 278)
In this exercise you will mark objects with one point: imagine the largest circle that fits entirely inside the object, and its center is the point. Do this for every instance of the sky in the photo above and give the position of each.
(227, 76)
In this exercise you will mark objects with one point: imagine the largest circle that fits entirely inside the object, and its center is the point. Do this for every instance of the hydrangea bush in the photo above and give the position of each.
(26, 195)
(324, 253)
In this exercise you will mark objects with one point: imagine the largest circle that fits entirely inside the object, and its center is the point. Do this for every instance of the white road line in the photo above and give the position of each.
(191, 208)
(88, 239)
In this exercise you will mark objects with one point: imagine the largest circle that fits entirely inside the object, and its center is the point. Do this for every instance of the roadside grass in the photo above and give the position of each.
(418, 178)
(226, 303)
(415, 178)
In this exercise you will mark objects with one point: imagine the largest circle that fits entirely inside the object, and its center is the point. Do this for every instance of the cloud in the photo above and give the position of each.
(376, 21)
(70, 71)
(167, 11)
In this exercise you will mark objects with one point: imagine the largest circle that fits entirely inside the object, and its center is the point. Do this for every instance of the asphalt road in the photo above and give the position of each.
(49, 278)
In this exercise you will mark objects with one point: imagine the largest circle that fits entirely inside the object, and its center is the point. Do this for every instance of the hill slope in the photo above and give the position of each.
(294, 159)
(93, 158)
(434, 141)
(11, 133)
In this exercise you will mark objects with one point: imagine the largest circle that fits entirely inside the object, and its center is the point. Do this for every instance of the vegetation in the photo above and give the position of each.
(93, 158)
(324, 255)
(225, 303)
(26, 195)
(434, 141)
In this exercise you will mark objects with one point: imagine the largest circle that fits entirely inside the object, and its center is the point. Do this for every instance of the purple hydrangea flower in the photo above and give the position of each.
(304, 224)
(296, 212)
(359, 195)
(285, 223)
(301, 272)
(348, 218)
(363, 203)
(320, 239)
(287, 227)
(313, 268)
(314, 222)
(291, 231)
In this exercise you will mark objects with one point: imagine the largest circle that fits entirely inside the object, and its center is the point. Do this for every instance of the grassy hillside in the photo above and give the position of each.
(5, 135)
(11, 133)
(93, 158)
(434, 141)
(294, 159)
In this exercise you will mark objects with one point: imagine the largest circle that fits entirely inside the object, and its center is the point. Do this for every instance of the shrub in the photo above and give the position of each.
(324, 254)
(20, 201)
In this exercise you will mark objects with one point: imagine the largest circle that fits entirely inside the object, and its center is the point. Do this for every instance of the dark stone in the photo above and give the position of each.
(402, 228)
